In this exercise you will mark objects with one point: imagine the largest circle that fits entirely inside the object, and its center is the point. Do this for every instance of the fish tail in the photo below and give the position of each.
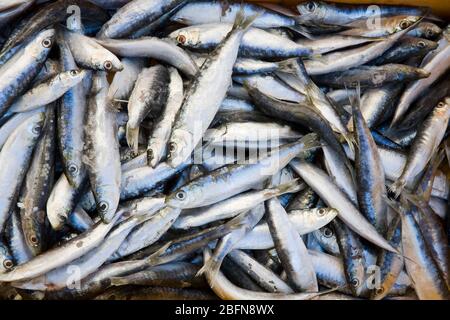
(397, 187)
(154, 256)
(133, 138)
(287, 66)
(118, 281)
(310, 141)
(211, 267)
(243, 23)
(301, 29)
(289, 187)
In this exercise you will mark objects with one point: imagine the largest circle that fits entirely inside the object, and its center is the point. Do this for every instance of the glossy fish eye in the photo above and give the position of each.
(429, 33)
(404, 24)
(355, 282)
(327, 233)
(181, 195)
(8, 264)
(103, 206)
(72, 168)
(379, 291)
(181, 38)
(441, 104)
(311, 6)
(172, 147)
(321, 211)
(108, 65)
(37, 129)
(33, 240)
(73, 73)
(47, 43)
(421, 44)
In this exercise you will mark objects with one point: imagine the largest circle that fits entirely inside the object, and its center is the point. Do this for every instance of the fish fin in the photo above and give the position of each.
(243, 23)
(154, 256)
(132, 135)
(210, 267)
(434, 164)
(397, 187)
(301, 29)
(290, 187)
(118, 281)
(310, 141)
(287, 66)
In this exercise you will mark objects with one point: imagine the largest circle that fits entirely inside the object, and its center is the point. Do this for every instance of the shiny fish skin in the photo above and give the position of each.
(133, 16)
(148, 96)
(37, 186)
(200, 104)
(256, 43)
(89, 54)
(15, 157)
(156, 148)
(152, 47)
(14, 80)
(70, 111)
(102, 160)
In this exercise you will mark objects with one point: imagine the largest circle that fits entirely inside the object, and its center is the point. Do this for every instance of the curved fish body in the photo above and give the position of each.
(49, 15)
(37, 186)
(420, 265)
(164, 50)
(19, 71)
(304, 222)
(89, 54)
(19, 248)
(230, 180)
(102, 159)
(437, 62)
(345, 59)
(335, 198)
(148, 96)
(230, 207)
(372, 76)
(342, 14)
(15, 158)
(324, 44)
(157, 143)
(205, 95)
(370, 177)
(256, 43)
(123, 81)
(133, 16)
(424, 145)
(71, 111)
(407, 47)
(48, 92)
(290, 248)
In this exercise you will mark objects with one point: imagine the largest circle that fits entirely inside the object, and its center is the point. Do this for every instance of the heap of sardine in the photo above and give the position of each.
(176, 149)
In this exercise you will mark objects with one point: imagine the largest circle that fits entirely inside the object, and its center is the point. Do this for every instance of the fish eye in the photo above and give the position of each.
(181, 38)
(181, 195)
(33, 240)
(103, 206)
(8, 264)
(421, 44)
(172, 147)
(108, 65)
(404, 24)
(37, 129)
(72, 168)
(379, 291)
(47, 43)
(327, 233)
(73, 73)
(355, 282)
(311, 6)
(321, 211)
(441, 104)
(429, 33)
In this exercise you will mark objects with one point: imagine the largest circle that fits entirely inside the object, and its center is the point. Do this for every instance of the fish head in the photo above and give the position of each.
(443, 108)
(403, 22)
(180, 147)
(184, 197)
(312, 10)
(107, 202)
(430, 30)
(43, 42)
(36, 124)
(73, 77)
(186, 37)
(6, 260)
(424, 45)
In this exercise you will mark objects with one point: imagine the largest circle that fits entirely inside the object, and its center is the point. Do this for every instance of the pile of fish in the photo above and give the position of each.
(176, 149)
